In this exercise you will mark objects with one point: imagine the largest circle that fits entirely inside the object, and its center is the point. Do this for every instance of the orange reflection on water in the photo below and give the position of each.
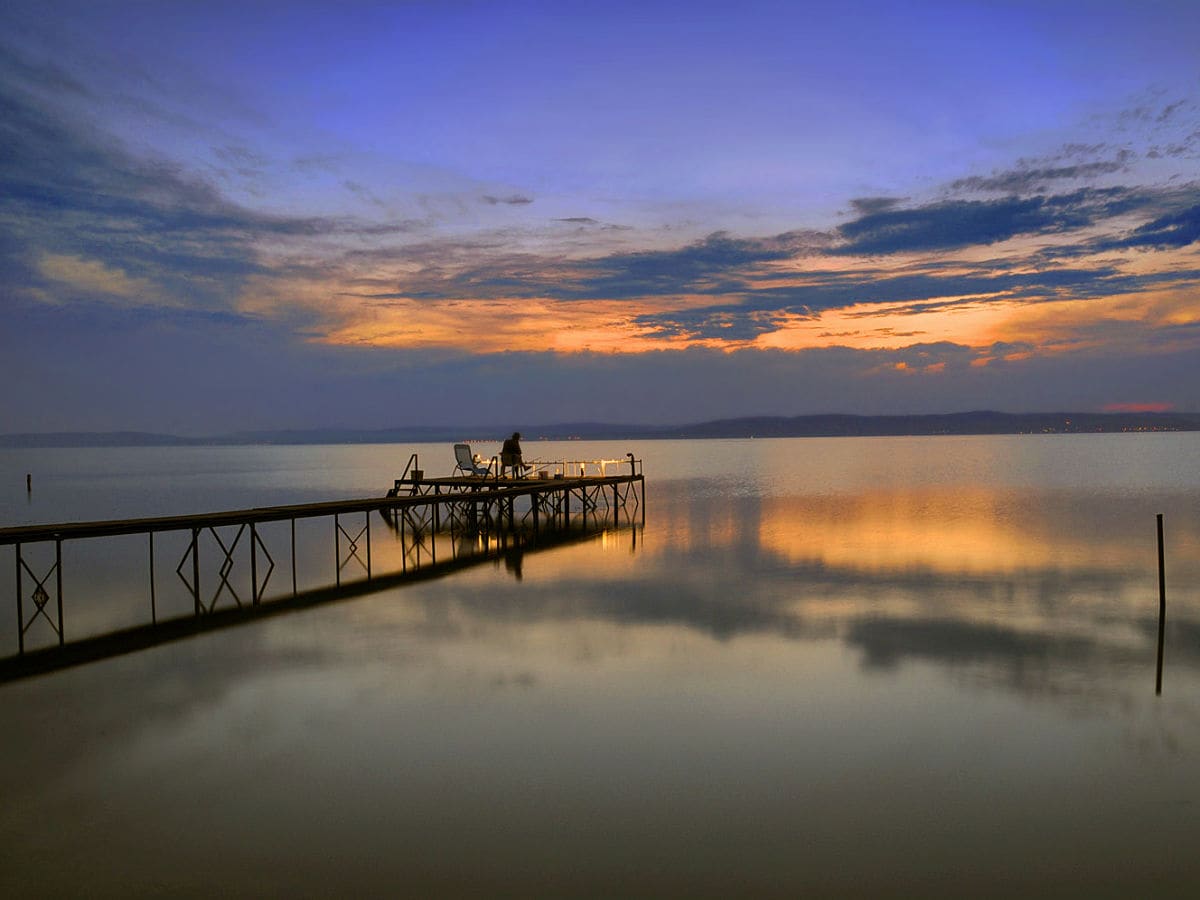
(965, 530)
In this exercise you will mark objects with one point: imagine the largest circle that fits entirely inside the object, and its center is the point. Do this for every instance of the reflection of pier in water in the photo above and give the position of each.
(436, 527)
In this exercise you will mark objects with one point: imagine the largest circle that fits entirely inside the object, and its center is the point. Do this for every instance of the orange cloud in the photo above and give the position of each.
(411, 302)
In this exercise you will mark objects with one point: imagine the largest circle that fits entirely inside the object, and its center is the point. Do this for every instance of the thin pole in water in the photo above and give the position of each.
(1162, 605)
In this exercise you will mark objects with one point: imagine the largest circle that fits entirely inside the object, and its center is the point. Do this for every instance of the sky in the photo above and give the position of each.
(226, 216)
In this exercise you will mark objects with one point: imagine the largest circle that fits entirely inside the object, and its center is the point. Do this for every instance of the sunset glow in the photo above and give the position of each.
(392, 201)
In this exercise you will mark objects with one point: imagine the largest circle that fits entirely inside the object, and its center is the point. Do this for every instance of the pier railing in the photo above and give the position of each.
(540, 468)
(228, 559)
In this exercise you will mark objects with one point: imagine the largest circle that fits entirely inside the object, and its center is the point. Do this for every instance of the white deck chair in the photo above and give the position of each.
(468, 463)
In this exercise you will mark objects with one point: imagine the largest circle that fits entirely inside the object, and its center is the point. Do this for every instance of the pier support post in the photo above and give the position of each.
(293, 558)
(253, 565)
(402, 516)
(153, 599)
(58, 586)
(20, 607)
(196, 569)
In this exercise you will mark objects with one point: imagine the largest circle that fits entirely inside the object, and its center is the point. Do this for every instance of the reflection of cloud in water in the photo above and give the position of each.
(960, 530)
(714, 689)
(908, 616)
(1036, 593)
(888, 642)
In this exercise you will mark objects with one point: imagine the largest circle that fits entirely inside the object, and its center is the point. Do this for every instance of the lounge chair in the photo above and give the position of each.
(469, 463)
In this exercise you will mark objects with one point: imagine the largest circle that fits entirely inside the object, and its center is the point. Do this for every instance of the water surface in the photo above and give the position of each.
(885, 666)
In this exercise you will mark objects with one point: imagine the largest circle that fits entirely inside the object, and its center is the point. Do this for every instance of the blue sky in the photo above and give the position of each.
(218, 216)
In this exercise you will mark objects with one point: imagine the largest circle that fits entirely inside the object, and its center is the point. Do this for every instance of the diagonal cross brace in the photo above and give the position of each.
(40, 597)
(353, 540)
(256, 544)
(352, 549)
(225, 568)
(227, 562)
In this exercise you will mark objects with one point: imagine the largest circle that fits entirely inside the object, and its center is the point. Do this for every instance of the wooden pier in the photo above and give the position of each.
(435, 526)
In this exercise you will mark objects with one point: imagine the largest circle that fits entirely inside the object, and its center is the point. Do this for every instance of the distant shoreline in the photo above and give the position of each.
(830, 425)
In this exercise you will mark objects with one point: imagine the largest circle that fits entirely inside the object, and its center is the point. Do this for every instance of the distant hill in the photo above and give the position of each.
(93, 439)
(982, 422)
(829, 425)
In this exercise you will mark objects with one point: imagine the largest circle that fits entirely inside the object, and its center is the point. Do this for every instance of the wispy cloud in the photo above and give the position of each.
(510, 200)
(1179, 229)
(865, 206)
(955, 224)
(68, 192)
(1027, 180)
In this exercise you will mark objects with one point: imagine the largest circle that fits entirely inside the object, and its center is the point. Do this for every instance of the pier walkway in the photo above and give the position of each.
(424, 528)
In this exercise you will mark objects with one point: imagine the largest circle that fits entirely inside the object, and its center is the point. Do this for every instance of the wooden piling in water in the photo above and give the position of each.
(1162, 605)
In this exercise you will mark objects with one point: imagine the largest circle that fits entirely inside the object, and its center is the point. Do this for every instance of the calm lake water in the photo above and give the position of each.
(880, 666)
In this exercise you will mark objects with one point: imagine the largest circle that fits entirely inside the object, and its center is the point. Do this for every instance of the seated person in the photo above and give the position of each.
(510, 455)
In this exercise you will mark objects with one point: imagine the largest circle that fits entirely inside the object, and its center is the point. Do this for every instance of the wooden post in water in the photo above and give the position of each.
(1162, 605)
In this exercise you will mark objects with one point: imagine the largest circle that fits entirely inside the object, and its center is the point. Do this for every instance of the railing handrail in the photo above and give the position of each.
(411, 464)
(559, 462)
(570, 464)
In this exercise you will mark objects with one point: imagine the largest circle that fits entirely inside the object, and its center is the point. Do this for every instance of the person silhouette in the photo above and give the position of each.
(510, 455)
